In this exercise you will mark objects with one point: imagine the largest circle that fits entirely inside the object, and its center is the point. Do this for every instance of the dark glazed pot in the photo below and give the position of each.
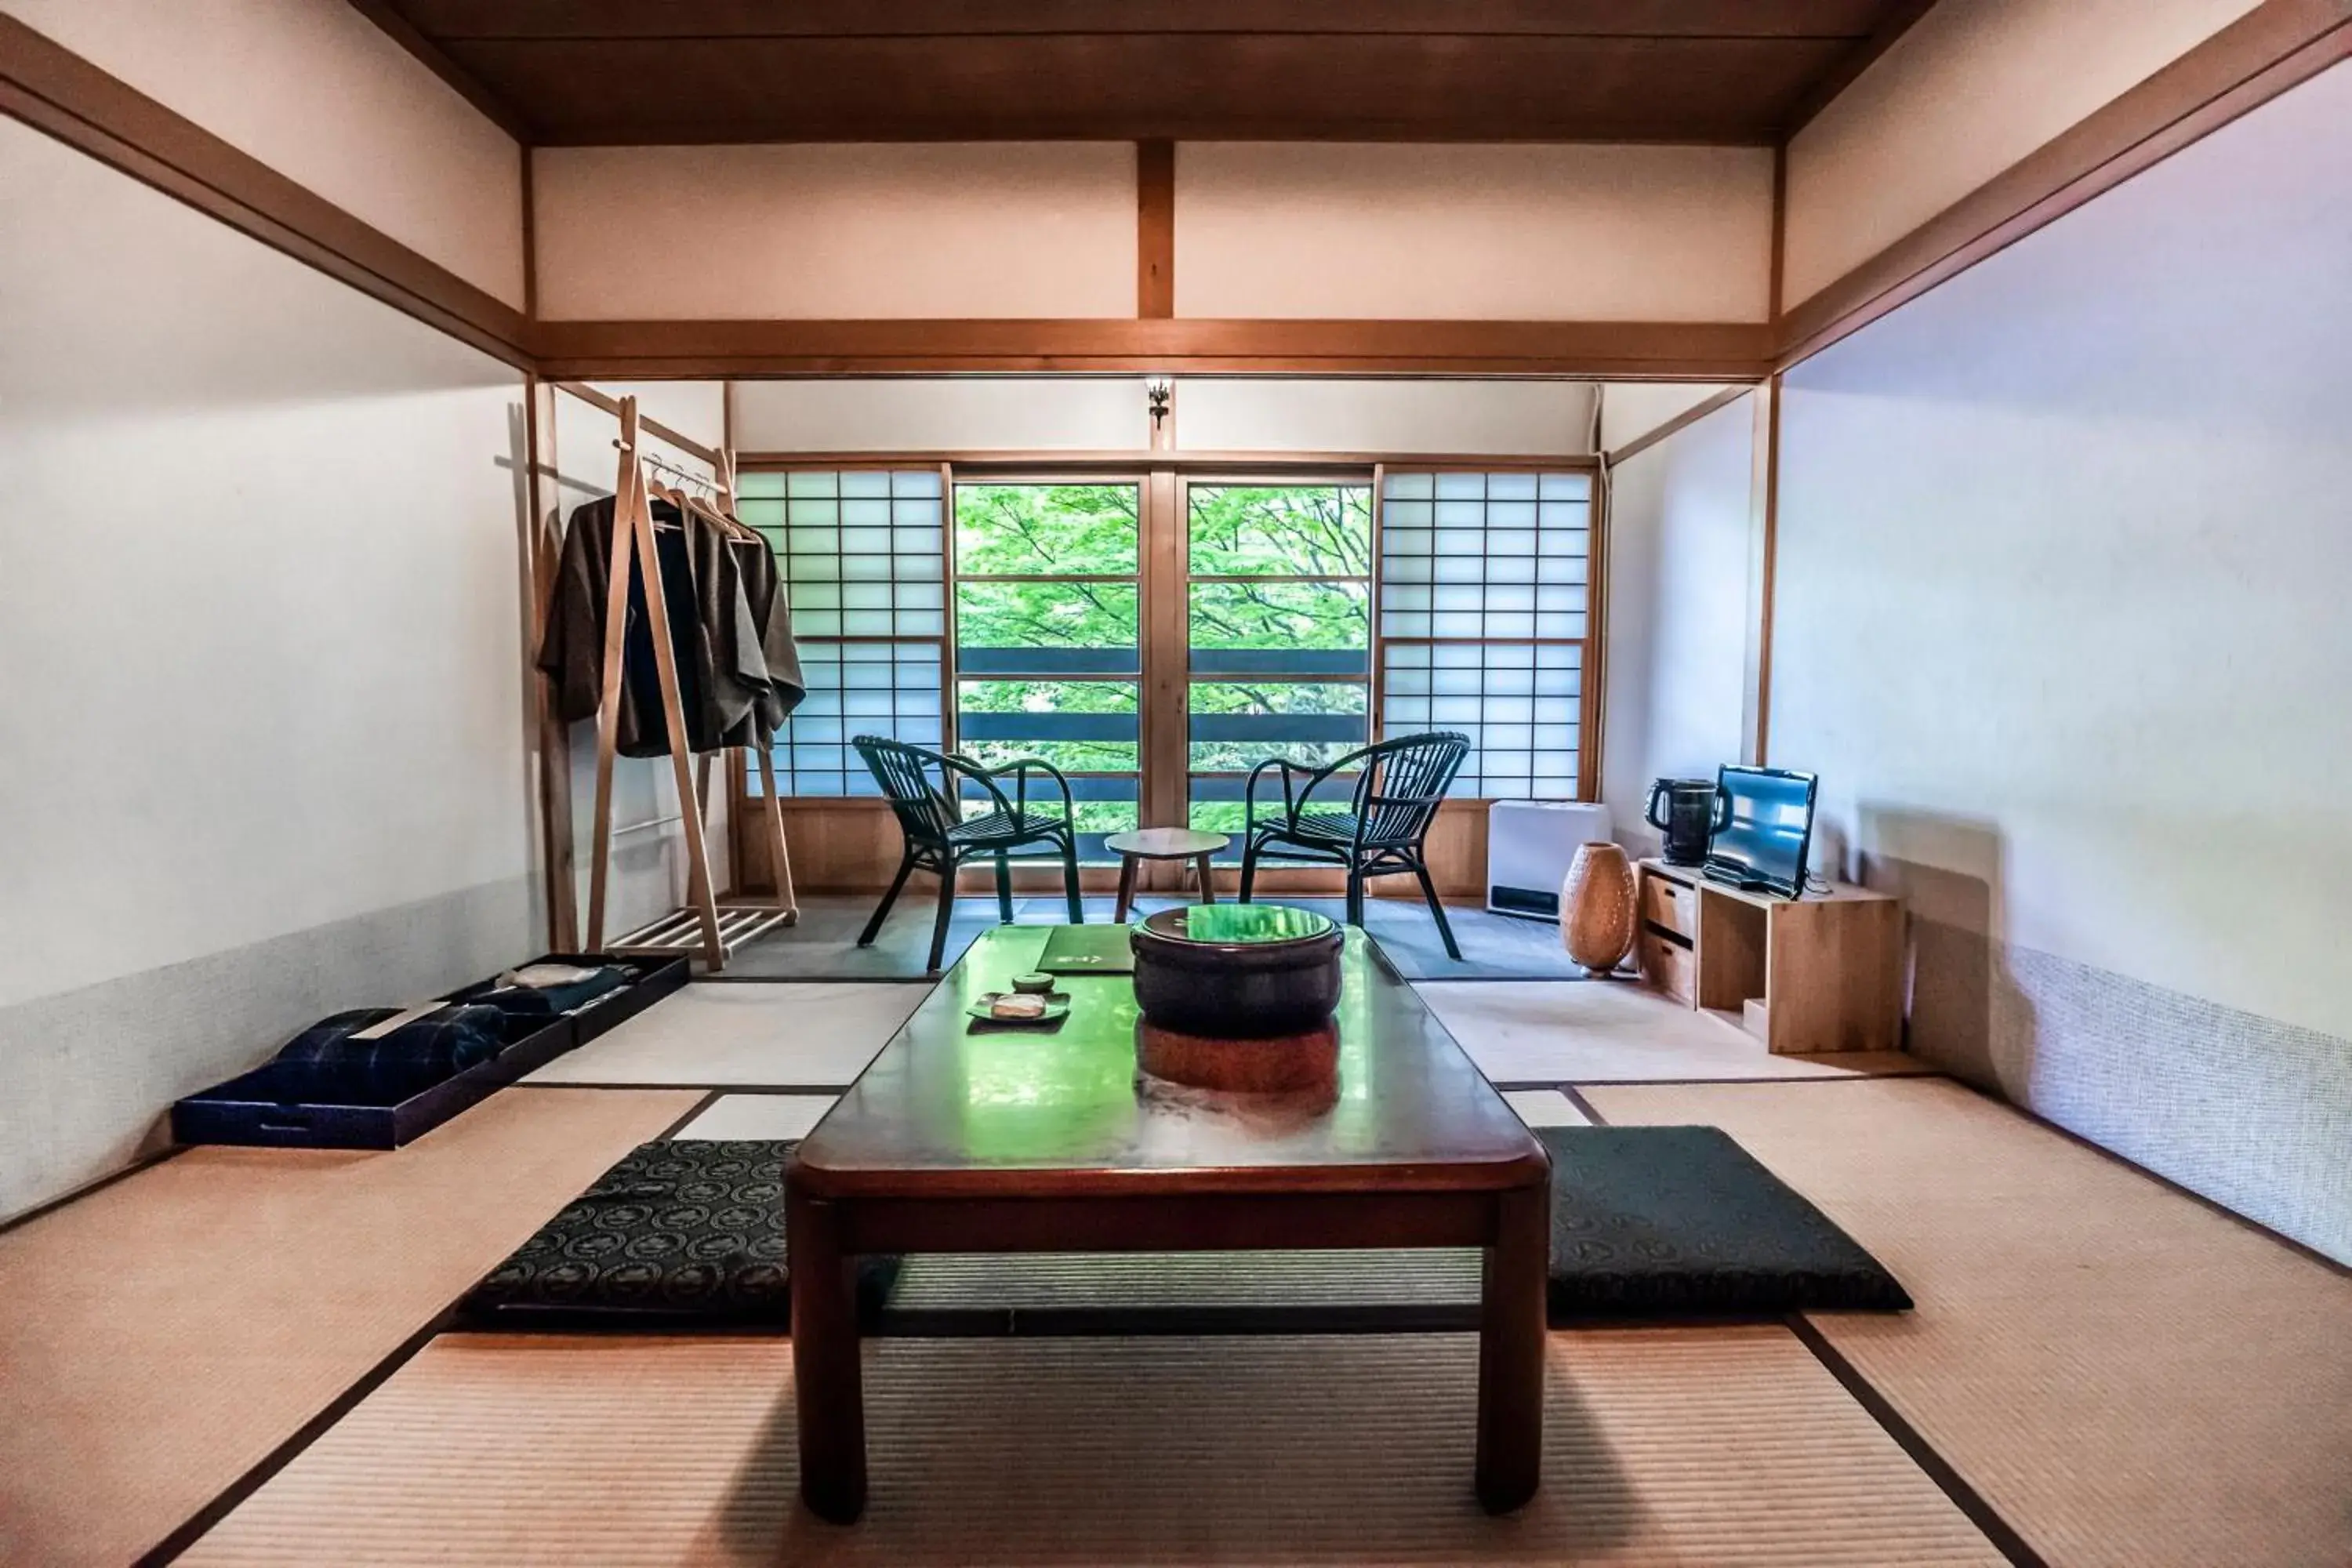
(1237, 970)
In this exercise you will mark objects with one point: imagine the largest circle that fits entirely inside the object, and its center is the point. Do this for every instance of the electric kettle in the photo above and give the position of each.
(1693, 810)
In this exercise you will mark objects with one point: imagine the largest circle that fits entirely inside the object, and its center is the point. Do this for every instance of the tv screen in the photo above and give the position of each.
(1769, 827)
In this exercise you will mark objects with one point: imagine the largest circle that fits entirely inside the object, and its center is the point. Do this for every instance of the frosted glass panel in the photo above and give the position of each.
(1498, 562)
(859, 552)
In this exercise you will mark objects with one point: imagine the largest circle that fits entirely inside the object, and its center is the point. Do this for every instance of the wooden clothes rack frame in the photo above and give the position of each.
(703, 923)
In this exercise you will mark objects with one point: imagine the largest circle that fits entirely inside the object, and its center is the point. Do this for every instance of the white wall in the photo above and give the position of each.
(1509, 233)
(1678, 561)
(1285, 414)
(650, 866)
(261, 735)
(2064, 548)
(1973, 87)
(852, 230)
(321, 94)
(943, 414)
(1631, 409)
(922, 415)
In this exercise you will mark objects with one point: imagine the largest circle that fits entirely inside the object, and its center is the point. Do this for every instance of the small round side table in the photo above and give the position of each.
(1162, 844)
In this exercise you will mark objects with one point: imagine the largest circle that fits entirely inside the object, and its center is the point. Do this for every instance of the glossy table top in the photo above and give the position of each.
(944, 1111)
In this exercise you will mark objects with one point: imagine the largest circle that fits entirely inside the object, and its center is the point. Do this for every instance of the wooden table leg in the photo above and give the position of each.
(1208, 882)
(1127, 863)
(828, 1385)
(1511, 1351)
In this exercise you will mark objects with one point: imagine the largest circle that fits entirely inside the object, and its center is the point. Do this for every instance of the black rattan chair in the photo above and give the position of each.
(924, 788)
(1399, 785)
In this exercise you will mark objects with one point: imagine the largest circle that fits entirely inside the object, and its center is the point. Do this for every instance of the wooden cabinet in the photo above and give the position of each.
(1822, 973)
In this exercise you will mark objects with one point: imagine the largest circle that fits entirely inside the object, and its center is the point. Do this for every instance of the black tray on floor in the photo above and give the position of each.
(276, 1106)
(654, 978)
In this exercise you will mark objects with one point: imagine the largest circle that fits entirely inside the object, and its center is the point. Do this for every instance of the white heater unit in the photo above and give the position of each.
(1529, 844)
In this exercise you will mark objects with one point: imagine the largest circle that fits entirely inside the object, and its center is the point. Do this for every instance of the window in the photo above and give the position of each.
(1484, 620)
(1005, 616)
(1048, 660)
(1279, 624)
(861, 553)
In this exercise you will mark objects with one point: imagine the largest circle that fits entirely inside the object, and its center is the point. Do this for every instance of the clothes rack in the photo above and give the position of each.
(703, 925)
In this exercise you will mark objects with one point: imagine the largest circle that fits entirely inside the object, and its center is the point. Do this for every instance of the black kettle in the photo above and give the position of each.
(1693, 810)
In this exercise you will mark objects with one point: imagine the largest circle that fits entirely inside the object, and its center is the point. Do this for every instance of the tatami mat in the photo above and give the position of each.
(1727, 1449)
(758, 1116)
(784, 1034)
(2128, 1377)
(1612, 1031)
(1546, 1108)
(1401, 1277)
(163, 1335)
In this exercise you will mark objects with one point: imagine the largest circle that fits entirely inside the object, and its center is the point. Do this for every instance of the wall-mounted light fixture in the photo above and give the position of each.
(1159, 391)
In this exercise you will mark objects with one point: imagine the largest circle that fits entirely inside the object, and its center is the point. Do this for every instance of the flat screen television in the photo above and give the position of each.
(1767, 829)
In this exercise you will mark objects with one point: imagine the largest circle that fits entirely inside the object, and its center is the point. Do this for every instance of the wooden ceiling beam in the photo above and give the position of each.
(553, 20)
(1900, 19)
(1662, 351)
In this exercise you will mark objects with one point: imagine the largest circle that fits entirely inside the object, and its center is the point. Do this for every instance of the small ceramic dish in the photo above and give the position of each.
(1057, 1008)
(1034, 984)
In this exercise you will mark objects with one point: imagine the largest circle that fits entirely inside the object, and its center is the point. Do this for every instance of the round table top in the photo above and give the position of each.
(1166, 843)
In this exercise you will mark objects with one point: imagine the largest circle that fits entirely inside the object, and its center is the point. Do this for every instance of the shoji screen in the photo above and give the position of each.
(1485, 579)
(863, 557)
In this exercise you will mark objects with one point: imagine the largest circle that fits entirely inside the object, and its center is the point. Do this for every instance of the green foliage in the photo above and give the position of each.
(1282, 615)
(1067, 529)
(1053, 697)
(1290, 539)
(1281, 530)
(1046, 615)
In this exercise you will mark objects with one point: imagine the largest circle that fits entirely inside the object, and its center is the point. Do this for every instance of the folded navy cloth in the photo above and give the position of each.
(418, 1054)
(547, 1001)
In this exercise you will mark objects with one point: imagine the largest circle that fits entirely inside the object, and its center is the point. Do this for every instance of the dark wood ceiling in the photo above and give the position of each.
(650, 71)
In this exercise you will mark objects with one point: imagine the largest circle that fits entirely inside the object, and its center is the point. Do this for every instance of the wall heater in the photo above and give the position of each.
(1529, 844)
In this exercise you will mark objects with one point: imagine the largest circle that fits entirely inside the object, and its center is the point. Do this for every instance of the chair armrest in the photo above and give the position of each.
(1020, 768)
(971, 767)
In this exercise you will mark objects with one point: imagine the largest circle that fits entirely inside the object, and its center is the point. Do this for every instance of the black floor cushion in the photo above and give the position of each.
(679, 1233)
(1682, 1221)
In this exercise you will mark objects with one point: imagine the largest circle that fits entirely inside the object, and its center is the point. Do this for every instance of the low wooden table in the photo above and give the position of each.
(1030, 1141)
(1162, 844)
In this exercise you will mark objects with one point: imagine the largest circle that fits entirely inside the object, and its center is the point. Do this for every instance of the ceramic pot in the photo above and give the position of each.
(1596, 907)
(1237, 970)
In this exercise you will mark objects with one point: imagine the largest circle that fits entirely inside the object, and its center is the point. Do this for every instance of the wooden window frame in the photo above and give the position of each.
(1163, 585)
(1034, 472)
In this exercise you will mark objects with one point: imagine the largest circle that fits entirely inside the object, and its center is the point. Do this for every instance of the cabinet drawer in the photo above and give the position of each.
(1666, 964)
(1671, 905)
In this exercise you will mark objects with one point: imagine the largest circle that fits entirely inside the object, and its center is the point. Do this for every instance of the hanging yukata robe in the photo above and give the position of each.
(739, 670)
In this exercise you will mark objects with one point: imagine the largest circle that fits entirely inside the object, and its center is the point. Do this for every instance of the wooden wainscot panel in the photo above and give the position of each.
(852, 845)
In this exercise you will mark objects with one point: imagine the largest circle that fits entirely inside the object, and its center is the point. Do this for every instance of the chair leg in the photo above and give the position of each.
(947, 914)
(1355, 897)
(1070, 879)
(1003, 888)
(882, 911)
(1249, 870)
(1436, 911)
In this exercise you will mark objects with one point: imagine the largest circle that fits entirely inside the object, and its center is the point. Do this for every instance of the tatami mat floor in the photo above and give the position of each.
(2101, 1369)
(2129, 1377)
(1723, 1447)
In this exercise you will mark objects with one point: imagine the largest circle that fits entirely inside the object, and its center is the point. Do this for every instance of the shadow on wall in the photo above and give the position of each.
(1963, 1009)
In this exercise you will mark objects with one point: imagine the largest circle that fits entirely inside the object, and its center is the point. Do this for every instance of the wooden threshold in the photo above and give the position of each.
(56, 91)
(2277, 45)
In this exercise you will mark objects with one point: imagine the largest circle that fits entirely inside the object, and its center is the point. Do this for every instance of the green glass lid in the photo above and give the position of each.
(1238, 925)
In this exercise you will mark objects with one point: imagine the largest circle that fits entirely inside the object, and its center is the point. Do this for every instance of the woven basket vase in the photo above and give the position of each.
(1596, 907)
